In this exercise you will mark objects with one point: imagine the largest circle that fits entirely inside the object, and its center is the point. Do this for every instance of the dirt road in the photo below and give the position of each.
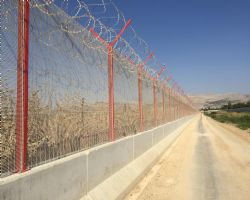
(208, 161)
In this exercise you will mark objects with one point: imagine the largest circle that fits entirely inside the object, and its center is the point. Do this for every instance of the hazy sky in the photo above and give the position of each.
(205, 43)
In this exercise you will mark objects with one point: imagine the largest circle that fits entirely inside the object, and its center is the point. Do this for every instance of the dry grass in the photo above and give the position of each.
(60, 129)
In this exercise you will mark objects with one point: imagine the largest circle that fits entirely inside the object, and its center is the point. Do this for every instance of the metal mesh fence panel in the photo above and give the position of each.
(61, 52)
(67, 90)
(170, 105)
(173, 106)
(8, 89)
(166, 110)
(147, 104)
(160, 116)
(126, 99)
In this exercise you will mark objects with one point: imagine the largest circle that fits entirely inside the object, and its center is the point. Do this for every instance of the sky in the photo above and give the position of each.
(205, 43)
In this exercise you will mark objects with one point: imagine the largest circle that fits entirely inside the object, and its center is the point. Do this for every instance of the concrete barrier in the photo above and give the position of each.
(158, 135)
(61, 179)
(142, 142)
(104, 172)
(120, 183)
(101, 163)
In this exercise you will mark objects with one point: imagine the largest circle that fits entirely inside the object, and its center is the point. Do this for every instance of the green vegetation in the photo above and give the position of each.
(239, 119)
(229, 105)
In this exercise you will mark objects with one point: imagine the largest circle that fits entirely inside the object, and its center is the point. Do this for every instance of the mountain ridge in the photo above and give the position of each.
(215, 100)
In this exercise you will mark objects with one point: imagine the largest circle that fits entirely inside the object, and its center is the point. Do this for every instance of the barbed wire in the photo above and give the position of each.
(68, 90)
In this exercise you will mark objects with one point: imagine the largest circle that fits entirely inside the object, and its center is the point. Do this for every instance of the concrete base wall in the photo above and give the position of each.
(62, 179)
(104, 172)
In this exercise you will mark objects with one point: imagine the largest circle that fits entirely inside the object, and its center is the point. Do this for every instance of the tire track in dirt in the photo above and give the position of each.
(206, 162)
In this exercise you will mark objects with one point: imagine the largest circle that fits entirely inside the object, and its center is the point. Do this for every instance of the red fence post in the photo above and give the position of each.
(22, 86)
(173, 105)
(111, 77)
(111, 93)
(139, 71)
(139, 74)
(179, 105)
(169, 104)
(163, 104)
(174, 102)
(169, 97)
(155, 102)
(181, 114)
(176, 105)
(166, 104)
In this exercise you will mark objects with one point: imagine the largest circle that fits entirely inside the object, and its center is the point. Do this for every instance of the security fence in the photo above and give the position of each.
(71, 81)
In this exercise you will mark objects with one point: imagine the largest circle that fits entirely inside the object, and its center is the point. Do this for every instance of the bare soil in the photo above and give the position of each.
(209, 160)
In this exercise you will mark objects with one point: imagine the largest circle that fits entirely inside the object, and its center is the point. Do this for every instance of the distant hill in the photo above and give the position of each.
(217, 100)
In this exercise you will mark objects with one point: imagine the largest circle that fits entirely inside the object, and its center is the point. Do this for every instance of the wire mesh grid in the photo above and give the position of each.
(147, 104)
(126, 100)
(68, 93)
(68, 90)
(160, 107)
(8, 89)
